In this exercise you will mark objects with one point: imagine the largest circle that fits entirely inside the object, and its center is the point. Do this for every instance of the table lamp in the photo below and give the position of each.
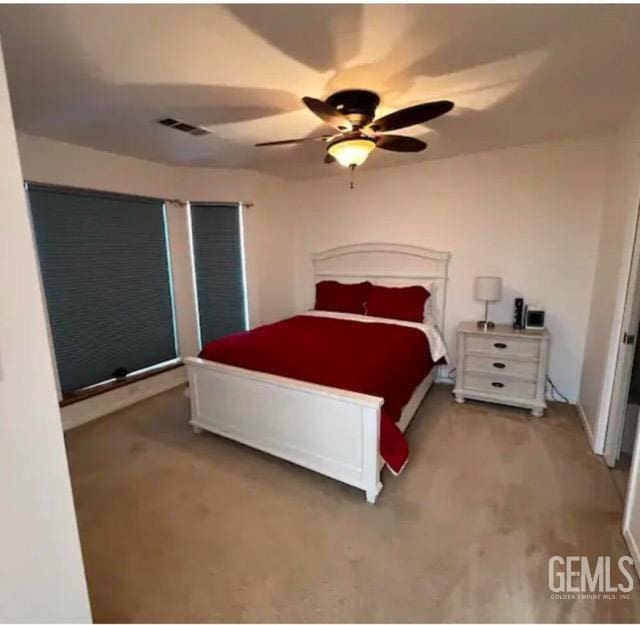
(487, 289)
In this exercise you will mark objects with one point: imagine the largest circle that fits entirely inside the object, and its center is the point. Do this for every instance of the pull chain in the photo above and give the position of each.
(353, 169)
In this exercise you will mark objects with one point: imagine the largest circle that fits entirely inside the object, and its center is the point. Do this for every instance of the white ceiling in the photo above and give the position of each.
(98, 75)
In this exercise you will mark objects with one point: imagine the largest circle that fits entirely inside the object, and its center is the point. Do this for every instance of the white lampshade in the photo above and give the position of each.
(488, 289)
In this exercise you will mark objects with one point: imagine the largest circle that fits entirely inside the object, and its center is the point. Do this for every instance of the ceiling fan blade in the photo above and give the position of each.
(327, 113)
(398, 143)
(328, 159)
(288, 141)
(411, 116)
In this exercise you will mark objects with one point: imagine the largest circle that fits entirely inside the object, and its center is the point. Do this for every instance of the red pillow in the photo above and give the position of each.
(405, 303)
(337, 297)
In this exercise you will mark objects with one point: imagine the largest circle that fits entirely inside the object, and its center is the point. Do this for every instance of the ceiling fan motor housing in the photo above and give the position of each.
(357, 105)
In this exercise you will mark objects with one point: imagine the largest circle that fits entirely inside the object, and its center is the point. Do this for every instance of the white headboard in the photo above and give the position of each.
(388, 264)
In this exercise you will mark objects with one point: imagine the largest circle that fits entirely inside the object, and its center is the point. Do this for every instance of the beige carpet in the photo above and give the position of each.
(178, 527)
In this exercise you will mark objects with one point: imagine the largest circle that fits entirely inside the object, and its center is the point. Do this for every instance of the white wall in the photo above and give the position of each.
(268, 238)
(41, 570)
(617, 230)
(54, 162)
(529, 214)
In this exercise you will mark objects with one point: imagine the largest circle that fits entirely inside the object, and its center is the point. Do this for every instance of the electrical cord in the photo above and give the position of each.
(555, 393)
(451, 374)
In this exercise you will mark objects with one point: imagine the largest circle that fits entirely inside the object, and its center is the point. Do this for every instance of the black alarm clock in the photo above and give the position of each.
(534, 317)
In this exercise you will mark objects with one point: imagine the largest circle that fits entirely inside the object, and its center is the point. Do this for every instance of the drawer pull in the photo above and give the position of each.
(500, 345)
(499, 365)
(497, 384)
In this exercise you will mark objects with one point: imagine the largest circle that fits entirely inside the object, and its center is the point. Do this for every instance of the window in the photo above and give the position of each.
(105, 271)
(217, 236)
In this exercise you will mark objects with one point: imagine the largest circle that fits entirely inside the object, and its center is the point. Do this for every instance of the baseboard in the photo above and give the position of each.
(633, 549)
(587, 427)
(95, 407)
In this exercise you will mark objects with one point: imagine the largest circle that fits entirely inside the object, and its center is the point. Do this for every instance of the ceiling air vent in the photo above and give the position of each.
(196, 131)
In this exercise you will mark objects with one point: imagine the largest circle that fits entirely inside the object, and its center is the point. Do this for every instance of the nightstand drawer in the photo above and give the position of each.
(501, 346)
(497, 385)
(495, 366)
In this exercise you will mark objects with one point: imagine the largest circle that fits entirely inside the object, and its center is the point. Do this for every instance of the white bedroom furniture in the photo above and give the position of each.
(502, 365)
(325, 429)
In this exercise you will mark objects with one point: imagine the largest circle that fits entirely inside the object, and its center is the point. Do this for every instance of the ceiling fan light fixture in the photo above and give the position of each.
(351, 152)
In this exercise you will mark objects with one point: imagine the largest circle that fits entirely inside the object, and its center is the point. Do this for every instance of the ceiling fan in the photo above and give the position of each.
(352, 114)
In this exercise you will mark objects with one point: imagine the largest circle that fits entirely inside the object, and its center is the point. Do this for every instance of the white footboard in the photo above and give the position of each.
(324, 429)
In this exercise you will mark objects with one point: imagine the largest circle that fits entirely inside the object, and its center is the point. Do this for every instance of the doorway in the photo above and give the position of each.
(625, 400)
(626, 434)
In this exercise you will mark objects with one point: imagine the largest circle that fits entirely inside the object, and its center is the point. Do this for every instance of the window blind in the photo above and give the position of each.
(105, 272)
(219, 269)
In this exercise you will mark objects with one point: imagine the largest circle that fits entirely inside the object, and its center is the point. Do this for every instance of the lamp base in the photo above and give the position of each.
(486, 325)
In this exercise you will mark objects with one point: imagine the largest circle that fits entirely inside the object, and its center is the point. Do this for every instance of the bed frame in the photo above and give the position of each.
(325, 429)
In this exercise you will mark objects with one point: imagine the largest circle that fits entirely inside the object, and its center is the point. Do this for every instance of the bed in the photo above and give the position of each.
(322, 427)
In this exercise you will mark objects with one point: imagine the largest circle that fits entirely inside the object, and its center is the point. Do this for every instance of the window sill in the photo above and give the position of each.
(72, 398)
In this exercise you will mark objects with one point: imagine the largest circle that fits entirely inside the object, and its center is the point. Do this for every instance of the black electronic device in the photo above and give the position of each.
(518, 313)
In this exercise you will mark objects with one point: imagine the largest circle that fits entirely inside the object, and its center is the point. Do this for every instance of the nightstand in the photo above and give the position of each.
(502, 365)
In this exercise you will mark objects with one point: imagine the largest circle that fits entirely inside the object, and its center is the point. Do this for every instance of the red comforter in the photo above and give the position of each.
(378, 359)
